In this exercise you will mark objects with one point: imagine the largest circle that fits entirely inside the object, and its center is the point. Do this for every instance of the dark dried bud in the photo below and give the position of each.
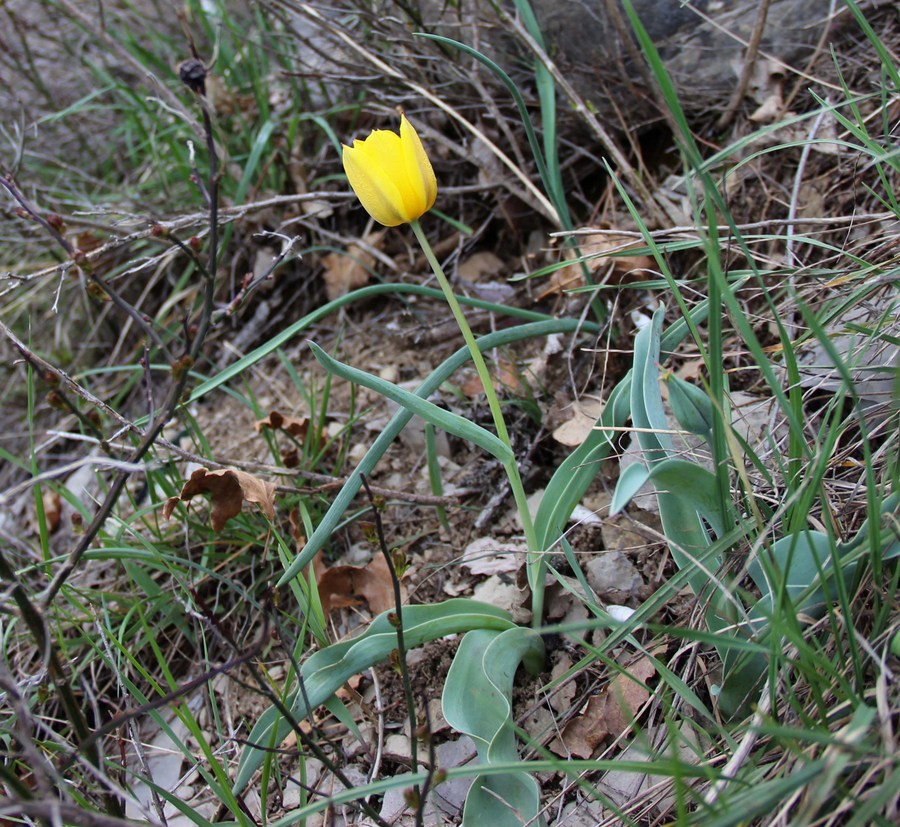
(159, 231)
(50, 378)
(54, 400)
(56, 221)
(193, 75)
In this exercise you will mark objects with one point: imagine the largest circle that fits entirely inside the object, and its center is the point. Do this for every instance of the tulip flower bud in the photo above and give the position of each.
(391, 175)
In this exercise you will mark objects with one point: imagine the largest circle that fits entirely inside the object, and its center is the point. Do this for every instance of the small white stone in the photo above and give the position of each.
(619, 614)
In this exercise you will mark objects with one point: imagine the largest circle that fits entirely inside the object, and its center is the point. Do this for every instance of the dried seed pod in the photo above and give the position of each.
(193, 75)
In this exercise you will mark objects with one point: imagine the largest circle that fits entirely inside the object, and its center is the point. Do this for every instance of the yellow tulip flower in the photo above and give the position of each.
(391, 175)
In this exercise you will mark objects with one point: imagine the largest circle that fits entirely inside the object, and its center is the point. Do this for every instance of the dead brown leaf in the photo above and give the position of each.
(227, 489)
(298, 533)
(480, 267)
(341, 586)
(292, 425)
(625, 696)
(585, 732)
(585, 413)
(607, 714)
(348, 271)
(606, 263)
(488, 556)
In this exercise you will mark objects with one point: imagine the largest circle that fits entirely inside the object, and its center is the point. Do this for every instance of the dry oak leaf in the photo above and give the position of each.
(605, 258)
(608, 714)
(348, 271)
(227, 489)
(341, 586)
(292, 425)
(585, 413)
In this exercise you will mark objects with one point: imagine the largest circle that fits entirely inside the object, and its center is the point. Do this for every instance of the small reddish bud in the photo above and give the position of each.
(56, 221)
(195, 243)
(159, 231)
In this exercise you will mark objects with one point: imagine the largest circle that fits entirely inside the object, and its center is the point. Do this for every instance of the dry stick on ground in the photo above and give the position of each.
(401, 644)
(749, 65)
(52, 811)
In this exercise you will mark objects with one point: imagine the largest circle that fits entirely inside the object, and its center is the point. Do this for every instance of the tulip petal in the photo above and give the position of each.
(419, 171)
(391, 175)
(372, 180)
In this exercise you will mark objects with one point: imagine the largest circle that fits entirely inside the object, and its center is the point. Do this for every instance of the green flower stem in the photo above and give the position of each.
(535, 554)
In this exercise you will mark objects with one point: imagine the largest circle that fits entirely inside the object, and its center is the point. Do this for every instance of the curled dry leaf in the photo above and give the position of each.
(608, 714)
(341, 586)
(53, 509)
(227, 489)
(605, 261)
(585, 413)
(292, 425)
(487, 556)
(298, 533)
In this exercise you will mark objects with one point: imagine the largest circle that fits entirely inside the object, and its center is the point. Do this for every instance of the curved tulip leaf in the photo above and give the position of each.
(328, 669)
(577, 471)
(631, 480)
(697, 488)
(399, 420)
(477, 701)
(684, 530)
(691, 406)
(449, 421)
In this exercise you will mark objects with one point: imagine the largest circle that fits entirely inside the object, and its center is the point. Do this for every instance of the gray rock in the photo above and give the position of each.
(613, 576)
(701, 43)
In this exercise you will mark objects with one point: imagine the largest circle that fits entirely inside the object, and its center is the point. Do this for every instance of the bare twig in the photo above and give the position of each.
(397, 622)
(749, 65)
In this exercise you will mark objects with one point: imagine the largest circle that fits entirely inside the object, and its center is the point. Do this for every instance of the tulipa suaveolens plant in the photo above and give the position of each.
(393, 178)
